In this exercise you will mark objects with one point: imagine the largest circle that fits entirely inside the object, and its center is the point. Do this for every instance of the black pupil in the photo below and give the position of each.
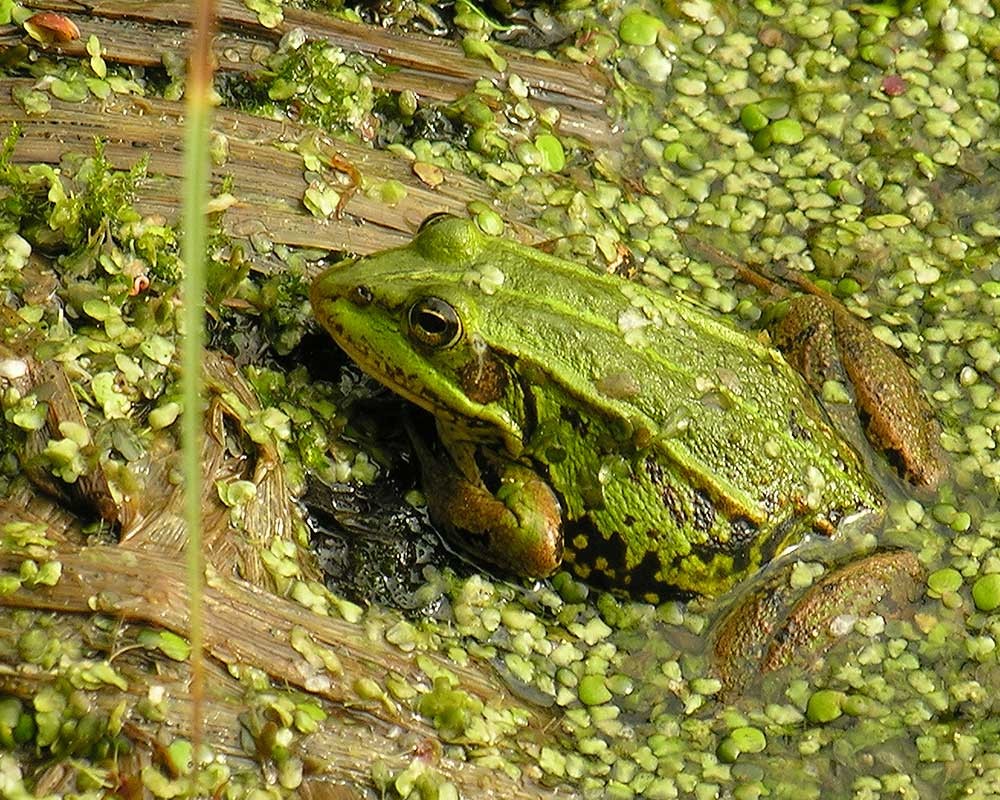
(432, 322)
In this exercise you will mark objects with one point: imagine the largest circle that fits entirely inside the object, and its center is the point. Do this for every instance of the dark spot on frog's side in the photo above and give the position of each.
(738, 546)
(601, 562)
(796, 429)
(704, 511)
(742, 533)
(654, 470)
(672, 502)
(397, 375)
(585, 544)
(710, 550)
(577, 422)
(645, 582)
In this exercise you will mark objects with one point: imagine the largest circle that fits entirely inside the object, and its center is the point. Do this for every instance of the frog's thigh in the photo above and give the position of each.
(807, 338)
(519, 528)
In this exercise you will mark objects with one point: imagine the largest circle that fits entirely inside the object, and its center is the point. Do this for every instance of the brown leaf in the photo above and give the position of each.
(48, 27)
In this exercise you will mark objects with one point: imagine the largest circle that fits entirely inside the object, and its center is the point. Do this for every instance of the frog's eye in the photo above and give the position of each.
(434, 322)
(432, 218)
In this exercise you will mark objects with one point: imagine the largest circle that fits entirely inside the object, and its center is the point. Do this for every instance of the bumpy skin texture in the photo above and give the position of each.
(824, 341)
(683, 453)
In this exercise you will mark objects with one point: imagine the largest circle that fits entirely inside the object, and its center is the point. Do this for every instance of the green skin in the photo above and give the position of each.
(589, 420)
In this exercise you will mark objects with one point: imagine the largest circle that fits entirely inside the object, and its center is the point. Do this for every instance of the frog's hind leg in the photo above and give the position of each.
(896, 415)
(823, 343)
(806, 337)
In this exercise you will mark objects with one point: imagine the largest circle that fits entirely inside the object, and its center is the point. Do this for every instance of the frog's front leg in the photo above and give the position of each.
(825, 342)
(492, 506)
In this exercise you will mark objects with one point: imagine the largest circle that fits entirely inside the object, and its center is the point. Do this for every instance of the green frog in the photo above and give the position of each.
(586, 420)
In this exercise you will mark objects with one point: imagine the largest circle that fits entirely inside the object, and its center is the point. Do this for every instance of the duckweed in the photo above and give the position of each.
(786, 131)
(593, 690)
(741, 740)
(943, 581)
(553, 157)
(825, 705)
(986, 592)
(639, 28)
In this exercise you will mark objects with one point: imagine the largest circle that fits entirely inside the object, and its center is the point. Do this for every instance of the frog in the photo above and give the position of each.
(588, 421)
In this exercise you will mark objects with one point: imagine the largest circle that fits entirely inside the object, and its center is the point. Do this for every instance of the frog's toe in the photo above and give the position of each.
(533, 544)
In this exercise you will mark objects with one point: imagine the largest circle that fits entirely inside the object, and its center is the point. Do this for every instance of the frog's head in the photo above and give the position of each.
(411, 319)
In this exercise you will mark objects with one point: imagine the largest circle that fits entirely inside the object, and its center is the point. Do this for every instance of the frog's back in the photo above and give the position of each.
(687, 452)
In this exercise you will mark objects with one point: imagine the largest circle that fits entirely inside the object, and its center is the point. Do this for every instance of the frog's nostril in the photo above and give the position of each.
(360, 295)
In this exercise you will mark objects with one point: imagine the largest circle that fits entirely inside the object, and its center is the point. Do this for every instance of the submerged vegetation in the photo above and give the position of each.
(854, 143)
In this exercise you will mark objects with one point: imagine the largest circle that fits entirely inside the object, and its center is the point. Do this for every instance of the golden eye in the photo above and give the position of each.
(430, 219)
(434, 322)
